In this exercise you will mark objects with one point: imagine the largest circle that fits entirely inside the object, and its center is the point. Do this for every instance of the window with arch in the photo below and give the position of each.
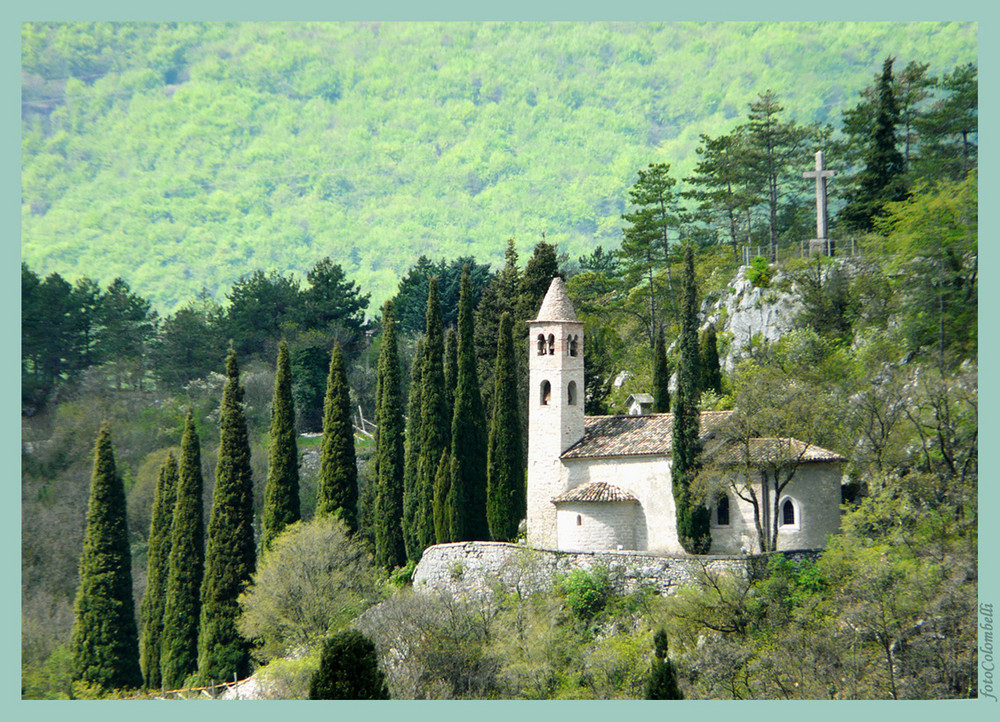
(787, 513)
(722, 511)
(552, 345)
(579, 520)
(572, 345)
(571, 393)
(541, 344)
(545, 393)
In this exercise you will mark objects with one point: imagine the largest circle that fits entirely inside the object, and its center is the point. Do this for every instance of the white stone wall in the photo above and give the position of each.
(596, 526)
(553, 427)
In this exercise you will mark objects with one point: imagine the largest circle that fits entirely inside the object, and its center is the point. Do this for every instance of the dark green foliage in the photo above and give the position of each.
(127, 323)
(505, 491)
(410, 302)
(230, 555)
(539, 271)
(467, 495)
(411, 453)
(337, 491)
(348, 669)
(711, 369)
(661, 377)
(260, 307)
(450, 368)
(189, 344)
(158, 565)
(105, 641)
(442, 486)
(882, 178)
(182, 609)
(500, 296)
(692, 518)
(949, 130)
(721, 181)
(435, 421)
(826, 301)
(662, 681)
(390, 551)
(333, 302)
(281, 493)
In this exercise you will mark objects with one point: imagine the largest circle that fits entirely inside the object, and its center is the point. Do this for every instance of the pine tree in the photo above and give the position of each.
(505, 492)
(182, 609)
(348, 669)
(467, 492)
(692, 518)
(662, 680)
(538, 274)
(230, 555)
(281, 493)
(411, 453)
(711, 370)
(158, 561)
(105, 641)
(390, 551)
(337, 491)
(435, 421)
(661, 377)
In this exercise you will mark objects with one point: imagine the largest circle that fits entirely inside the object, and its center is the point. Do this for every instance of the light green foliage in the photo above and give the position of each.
(759, 273)
(587, 592)
(314, 580)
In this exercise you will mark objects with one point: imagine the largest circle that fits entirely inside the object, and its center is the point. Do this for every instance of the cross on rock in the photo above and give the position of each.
(820, 243)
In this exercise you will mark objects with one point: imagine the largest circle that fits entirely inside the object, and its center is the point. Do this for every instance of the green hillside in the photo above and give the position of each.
(183, 156)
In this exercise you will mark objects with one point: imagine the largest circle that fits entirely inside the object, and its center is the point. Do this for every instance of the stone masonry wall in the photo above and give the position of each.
(482, 569)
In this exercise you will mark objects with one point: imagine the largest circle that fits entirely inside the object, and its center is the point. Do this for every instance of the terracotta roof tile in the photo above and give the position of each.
(595, 491)
(762, 450)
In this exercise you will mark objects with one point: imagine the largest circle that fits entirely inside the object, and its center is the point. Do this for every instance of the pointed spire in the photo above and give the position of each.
(556, 305)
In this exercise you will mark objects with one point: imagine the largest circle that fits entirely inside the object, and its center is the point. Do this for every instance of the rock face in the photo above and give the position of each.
(483, 570)
(745, 311)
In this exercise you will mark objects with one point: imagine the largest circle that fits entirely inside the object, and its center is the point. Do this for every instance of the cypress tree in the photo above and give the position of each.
(435, 420)
(230, 555)
(281, 493)
(348, 669)
(337, 491)
(441, 513)
(661, 377)
(505, 492)
(692, 518)
(711, 370)
(499, 296)
(105, 641)
(390, 550)
(158, 561)
(411, 453)
(450, 369)
(182, 610)
(467, 493)
(662, 680)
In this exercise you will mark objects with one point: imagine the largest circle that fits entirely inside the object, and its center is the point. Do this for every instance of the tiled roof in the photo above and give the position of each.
(651, 435)
(595, 491)
(634, 435)
(556, 305)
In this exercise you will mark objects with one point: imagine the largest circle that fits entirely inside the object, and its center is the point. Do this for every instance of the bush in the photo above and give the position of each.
(587, 591)
(759, 273)
(348, 669)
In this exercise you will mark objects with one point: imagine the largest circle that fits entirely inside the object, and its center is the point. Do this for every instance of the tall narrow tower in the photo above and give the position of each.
(555, 407)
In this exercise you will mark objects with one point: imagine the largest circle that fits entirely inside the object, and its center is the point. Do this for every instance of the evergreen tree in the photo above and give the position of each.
(662, 680)
(541, 268)
(720, 183)
(499, 296)
(281, 493)
(442, 513)
(411, 453)
(882, 179)
(158, 561)
(711, 370)
(348, 669)
(435, 421)
(337, 491)
(661, 377)
(947, 147)
(105, 641)
(450, 369)
(467, 492)
(182, 609)
(692, 518)
(505, 492)
(230, 555)
(390, 551)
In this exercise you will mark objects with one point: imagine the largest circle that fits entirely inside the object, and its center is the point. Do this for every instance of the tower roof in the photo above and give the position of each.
(556, 305)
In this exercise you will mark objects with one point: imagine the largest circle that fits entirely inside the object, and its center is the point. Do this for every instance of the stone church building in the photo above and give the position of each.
(603, 482)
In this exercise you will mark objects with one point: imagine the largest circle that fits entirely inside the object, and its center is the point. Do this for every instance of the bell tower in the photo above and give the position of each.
(555, 407)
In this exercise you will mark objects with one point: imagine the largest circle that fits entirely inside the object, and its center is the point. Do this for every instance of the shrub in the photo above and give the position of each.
(587, 591)
(759, 273)
(348, 669)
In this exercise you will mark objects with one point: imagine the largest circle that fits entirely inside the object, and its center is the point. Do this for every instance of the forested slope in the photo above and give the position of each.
(183, 156)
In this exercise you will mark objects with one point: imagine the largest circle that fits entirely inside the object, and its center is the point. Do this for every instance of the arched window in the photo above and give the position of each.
(722, 511)
(571, 393)
(546, 393)
(572, 345)
(541, 345)
(579, 520)
(787, 513)
(552, 345)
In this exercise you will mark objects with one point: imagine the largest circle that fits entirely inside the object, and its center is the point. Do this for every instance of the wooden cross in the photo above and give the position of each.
(820, 175)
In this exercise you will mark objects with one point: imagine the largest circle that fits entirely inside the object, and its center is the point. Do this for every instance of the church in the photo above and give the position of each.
(603, 482)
